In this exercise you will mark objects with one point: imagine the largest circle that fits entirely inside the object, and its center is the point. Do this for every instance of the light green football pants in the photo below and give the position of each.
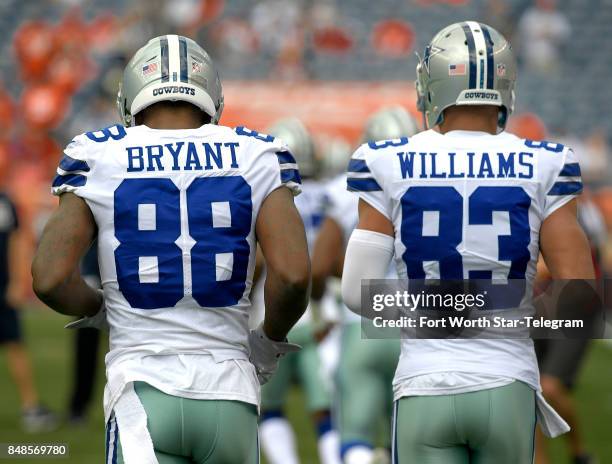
(186, 431)
(494, 426)
(365, 396)
(303, 367)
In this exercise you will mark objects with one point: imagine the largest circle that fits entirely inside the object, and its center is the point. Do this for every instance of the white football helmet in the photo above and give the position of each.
(300, 143)
(170, 68)
(466, 63)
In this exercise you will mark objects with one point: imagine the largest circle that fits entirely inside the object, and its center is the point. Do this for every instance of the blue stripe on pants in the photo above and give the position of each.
(116, 442)
(395, 456)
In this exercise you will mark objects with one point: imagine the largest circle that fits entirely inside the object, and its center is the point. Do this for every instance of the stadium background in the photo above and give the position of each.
(331, 63)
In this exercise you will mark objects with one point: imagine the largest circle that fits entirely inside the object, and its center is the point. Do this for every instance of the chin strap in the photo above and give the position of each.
(502, 119)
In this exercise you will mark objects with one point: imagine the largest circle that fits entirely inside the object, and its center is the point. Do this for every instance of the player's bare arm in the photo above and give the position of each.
(281, 236)
(55, 270)
(371, 219)
(564, 245)
(328, 251)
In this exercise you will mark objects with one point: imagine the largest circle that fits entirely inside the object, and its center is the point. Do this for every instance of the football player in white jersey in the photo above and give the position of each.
(304, 368)
(178, 204)
(466, 201)
(366, 367)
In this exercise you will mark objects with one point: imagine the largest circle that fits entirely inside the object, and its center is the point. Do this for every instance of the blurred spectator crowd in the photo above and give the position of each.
(63, 59)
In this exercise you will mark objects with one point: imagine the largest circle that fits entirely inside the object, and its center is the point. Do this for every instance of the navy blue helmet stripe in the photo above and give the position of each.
(183, 56)
(165, 60)
(356, 165)
(490, 65)
(285, 157)
(290, 175)
(566, 188)
(70, 164)
(570, 170)
(75, 180)
(469, 37)
(362, 184)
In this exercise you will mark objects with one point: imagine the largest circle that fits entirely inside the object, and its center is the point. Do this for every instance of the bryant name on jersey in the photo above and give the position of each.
(187, 156)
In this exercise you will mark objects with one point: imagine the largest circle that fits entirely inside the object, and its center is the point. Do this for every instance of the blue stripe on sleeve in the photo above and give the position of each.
(285, 157)
(356, 165)
(290, 175)
(367, 184)
(570, 170)
(75, 180)
(70, 164)
(566, 188)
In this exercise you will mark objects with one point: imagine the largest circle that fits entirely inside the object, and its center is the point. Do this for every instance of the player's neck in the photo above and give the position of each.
(470, 119)
(172, 120)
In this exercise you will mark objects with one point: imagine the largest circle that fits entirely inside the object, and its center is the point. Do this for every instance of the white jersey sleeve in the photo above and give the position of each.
(79, 160)
(564, 182)
(342, 206)
(363, 179)
(273, 165)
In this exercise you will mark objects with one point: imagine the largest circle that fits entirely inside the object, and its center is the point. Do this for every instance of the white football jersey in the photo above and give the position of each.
(342, 206)
(465, 205)
(176, 213)
(311, 204)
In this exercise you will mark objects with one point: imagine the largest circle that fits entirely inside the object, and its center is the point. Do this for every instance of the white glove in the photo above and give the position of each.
(97, 321)
(265, 353)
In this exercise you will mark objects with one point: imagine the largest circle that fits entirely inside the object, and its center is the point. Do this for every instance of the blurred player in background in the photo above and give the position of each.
(178, 204)
(366, 367)
(560, 360)
(86, 345)
(303, 367)
(35, 418)
(471, 400)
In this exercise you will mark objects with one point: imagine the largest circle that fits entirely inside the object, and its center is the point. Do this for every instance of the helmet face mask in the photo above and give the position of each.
(170, 68)
(466, 63)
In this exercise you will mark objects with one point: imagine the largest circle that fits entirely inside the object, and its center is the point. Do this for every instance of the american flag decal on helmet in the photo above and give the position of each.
(149, 68)
(196, 67)
(456, 69)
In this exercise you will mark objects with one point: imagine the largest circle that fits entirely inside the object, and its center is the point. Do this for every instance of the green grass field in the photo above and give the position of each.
(50, 347)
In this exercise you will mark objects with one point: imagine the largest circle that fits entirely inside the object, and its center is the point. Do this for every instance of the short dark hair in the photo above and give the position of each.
(173, 106)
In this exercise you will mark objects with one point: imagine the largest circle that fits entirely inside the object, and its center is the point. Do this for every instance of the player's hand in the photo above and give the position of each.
(97, 321)
(265, 353)
(15, 296)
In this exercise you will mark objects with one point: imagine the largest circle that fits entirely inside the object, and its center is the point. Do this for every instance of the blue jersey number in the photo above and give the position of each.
(554, 147)
(113, 132)
(441, 245)
(377, 145)
(148, 224)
